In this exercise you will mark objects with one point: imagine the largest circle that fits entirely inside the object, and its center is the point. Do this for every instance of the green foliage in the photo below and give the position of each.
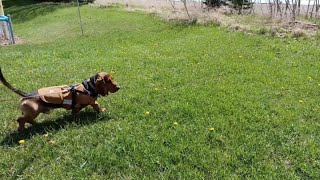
(22, 11)
(237, 4)
(220, 105)
(263, 31)
(241, 5)
(66, 1)
(214, 3)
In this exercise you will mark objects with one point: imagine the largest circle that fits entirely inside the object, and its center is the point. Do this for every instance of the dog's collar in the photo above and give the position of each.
(89, 86)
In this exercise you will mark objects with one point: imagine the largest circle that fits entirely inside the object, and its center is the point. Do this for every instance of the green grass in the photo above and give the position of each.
(259, 94)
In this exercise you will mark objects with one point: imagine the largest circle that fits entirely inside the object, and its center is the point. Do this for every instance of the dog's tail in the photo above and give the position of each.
(4, 81)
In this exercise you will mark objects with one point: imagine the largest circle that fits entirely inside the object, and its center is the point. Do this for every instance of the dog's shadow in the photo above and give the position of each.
(52, 126)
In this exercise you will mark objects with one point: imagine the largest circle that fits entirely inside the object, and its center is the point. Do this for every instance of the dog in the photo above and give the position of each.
(73, 97)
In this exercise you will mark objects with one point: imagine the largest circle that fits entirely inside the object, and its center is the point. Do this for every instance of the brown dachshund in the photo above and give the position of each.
(74, 97)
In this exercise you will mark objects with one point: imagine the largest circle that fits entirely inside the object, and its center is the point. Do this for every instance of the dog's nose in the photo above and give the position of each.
(117, 87)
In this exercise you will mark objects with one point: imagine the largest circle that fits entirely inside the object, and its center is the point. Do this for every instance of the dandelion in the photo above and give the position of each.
(211, 129)
(175, 123)
(300, 101)
(147, 112)
(51, 142)
(157, 89)
(46, 135)
(309, 78)
(22, 141)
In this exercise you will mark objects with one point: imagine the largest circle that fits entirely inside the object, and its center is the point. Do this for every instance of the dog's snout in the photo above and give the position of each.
(117, 87)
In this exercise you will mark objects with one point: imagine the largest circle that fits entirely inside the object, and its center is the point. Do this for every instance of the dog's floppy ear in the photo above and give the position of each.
(103, 77)
(107, 78)
(99, 78)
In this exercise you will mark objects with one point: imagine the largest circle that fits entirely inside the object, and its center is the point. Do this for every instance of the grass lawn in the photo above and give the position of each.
(196, 102)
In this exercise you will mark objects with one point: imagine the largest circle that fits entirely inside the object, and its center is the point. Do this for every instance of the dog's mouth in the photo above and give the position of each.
(115, 89)
(107, 91)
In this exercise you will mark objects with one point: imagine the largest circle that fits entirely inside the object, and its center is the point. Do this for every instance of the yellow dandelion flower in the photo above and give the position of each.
(22, 141)
(147, 112)
(175, 123)
(211, 129)
(51, 142)
(300, 101)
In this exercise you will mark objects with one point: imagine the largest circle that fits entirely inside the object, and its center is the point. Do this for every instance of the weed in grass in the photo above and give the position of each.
(263, 31)
(299, 34)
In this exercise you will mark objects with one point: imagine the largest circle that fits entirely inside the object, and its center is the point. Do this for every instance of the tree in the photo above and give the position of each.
(214, 3)
(237, 4)
(81, 1)
(186, 7)
(241, 4)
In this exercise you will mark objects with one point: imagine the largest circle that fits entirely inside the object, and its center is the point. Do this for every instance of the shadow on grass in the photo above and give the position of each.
(25, 10)
(85, 118)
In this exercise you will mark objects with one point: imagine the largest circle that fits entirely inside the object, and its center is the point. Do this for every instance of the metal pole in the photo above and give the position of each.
(11, 29)
(80, 17)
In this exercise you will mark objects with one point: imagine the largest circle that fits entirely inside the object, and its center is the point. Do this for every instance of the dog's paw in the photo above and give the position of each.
(20, 129)
(103, 110)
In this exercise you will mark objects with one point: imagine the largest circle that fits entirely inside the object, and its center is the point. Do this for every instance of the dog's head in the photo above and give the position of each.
(105, 84)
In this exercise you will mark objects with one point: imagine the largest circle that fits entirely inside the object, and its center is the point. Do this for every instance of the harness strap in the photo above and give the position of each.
(89, 86)
(74, 96)
(74, 93)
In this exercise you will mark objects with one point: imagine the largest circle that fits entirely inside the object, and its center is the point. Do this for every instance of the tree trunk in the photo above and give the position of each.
(185, 6)
(308, 9)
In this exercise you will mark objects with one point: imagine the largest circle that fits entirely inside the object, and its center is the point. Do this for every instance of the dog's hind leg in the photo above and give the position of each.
(21, 121)
(26, 119)
(30, 110)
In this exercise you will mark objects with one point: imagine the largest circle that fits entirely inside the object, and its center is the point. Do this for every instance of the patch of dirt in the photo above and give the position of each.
(5, 42)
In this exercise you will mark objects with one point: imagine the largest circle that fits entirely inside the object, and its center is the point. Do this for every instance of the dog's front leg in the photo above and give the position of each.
(97, 107)
(76, 110)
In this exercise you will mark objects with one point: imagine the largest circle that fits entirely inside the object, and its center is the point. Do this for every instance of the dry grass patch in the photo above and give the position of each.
(225, 17)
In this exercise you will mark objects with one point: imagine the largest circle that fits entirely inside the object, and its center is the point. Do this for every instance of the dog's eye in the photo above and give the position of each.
(106, 81)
